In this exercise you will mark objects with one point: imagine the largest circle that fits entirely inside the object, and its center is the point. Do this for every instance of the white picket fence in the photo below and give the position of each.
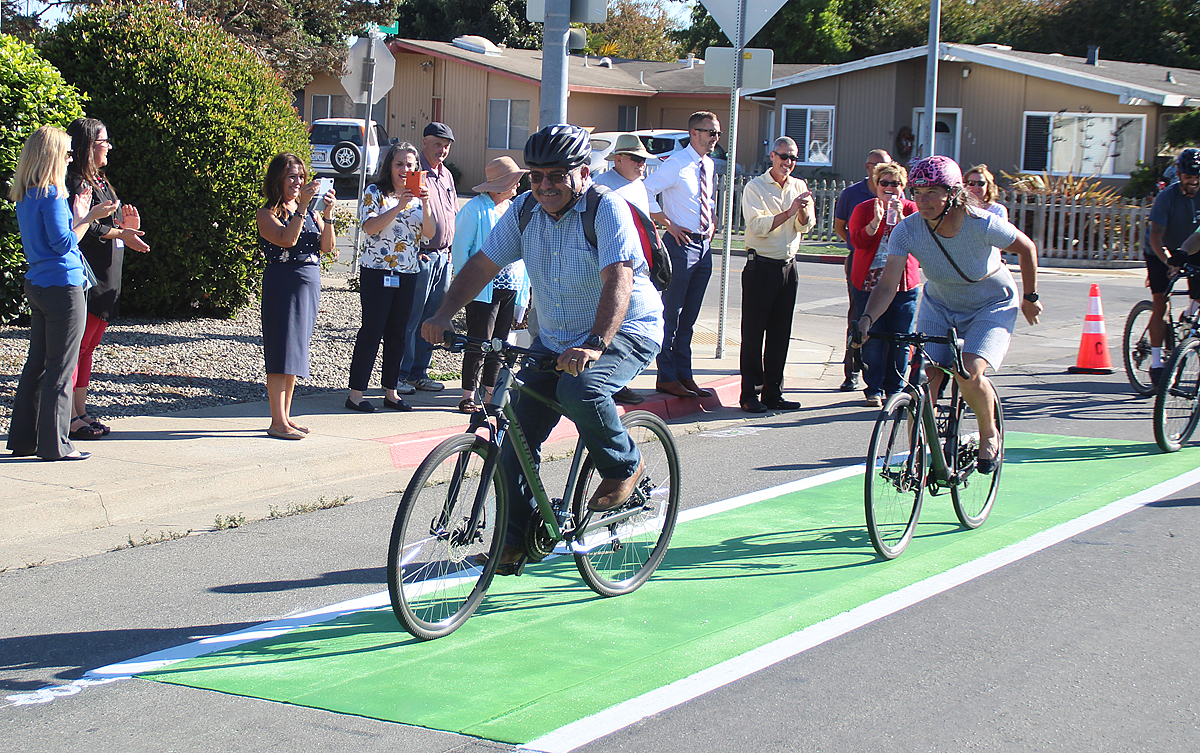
(1083, 232)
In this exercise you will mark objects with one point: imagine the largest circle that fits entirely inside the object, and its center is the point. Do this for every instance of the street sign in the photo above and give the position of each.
(582, 11)
(756, 67)
(385, 70)
(725, 13)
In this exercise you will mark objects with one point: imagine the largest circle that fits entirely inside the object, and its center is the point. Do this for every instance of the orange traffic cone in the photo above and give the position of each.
(1093, 347)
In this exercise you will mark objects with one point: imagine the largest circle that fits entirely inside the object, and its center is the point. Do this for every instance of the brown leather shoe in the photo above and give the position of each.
(691, 385)
(627, 396)
(611, 493)
(674, 388)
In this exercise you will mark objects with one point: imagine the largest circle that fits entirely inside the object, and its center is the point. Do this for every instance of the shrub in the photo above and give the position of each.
(195, 117)
(32, 94)
(1184, 130)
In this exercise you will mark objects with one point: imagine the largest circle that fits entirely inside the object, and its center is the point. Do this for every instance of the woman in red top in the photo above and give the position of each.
(870, 224)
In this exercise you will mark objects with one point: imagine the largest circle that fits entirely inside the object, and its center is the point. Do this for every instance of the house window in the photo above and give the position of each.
(508, 123)
(812, 130)
(320, 106)
(627, 117)
(1084, 144)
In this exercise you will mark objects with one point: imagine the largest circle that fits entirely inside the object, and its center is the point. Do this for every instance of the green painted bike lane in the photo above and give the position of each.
(544, 651)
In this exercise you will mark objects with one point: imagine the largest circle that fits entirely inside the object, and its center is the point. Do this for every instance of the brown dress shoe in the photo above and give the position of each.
(674, 388)
(691, 385)
(611, 493)
(628, 397)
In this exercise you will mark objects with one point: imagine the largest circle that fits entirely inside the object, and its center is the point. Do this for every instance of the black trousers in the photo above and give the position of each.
(487, 321)
(384, 317)
(768, 304)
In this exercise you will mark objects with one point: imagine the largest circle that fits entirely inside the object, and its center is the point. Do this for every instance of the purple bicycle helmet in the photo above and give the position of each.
(937, 170)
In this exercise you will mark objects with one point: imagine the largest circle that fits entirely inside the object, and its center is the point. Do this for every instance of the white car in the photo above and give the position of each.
(662, 143)
(602, 146)
(337, 146)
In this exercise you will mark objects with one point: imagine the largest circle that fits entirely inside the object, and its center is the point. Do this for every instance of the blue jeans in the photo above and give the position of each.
(433, 280)
(691, 268)
(885, 362)
(587, 401)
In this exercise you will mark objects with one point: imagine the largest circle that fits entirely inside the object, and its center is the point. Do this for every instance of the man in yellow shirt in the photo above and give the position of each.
(778, 209)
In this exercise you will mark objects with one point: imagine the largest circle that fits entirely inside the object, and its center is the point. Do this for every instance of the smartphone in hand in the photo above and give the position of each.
(414, 180)
(324, 185)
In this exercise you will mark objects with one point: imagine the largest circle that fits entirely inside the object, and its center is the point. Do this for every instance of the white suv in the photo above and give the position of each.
(337, 145)
(662, 143)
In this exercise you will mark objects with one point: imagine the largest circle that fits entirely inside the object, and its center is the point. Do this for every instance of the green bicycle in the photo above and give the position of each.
(450, 527)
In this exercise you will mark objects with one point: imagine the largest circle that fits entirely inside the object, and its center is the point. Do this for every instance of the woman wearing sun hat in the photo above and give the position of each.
(491, 313)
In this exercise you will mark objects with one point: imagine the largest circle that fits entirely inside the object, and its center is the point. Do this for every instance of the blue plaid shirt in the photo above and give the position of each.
(564, 269)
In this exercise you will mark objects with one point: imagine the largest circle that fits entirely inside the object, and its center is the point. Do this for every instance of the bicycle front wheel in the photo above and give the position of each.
(1135, 348)
(1176, 405)
(619, 558)
(895, 476)
(445, 547)
(972, 492)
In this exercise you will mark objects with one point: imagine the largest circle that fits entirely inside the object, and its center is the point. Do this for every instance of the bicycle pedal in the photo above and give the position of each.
(512, 568)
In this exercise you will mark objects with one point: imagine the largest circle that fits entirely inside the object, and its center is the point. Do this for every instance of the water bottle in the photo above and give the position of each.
(893, 213)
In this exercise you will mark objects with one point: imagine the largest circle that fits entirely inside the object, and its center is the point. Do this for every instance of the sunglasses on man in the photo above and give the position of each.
(786, 157)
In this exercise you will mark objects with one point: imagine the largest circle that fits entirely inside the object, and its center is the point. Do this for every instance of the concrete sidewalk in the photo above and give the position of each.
(162, 476)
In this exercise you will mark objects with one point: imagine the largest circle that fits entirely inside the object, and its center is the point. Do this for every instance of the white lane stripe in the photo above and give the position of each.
(630, 712)
(822, 303)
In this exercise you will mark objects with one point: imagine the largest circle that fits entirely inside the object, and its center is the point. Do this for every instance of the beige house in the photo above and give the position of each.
(490, 97)
(1016, 111)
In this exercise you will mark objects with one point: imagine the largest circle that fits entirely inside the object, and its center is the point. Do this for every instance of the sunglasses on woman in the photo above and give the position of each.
(976, 183)
(890, 183)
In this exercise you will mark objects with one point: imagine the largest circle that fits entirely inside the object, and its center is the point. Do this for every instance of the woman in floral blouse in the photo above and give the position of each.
(395, 219)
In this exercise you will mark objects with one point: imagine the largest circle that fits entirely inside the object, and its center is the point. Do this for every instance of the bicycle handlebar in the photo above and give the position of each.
(919, 339)
(456, 342)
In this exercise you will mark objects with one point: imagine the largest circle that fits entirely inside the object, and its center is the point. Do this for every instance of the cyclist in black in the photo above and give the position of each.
(1174, 217)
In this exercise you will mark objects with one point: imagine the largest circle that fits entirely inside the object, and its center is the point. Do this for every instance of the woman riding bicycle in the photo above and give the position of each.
(958, 245)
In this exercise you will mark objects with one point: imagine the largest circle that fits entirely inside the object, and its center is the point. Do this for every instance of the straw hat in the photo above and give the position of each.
(630, 145)
(502, 175)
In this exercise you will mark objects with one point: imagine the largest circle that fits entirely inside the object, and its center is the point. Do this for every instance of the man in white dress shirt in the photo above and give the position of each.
(686, 182)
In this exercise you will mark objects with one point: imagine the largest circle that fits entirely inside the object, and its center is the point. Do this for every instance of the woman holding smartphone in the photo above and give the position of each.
(292, 236)
(395, 218)
(54, 286)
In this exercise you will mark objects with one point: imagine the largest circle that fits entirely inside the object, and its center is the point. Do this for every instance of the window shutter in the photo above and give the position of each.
(1036, 154)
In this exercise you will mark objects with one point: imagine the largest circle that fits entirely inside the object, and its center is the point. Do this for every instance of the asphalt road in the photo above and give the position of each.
(1087, 645)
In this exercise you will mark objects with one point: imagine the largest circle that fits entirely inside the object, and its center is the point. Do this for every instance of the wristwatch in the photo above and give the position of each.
(595, 342)
(1032, 297)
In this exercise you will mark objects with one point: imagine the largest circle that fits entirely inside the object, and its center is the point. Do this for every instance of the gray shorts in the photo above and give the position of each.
(986, 332)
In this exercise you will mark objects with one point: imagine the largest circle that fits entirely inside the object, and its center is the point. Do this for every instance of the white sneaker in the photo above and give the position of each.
(404, 388)
(427, 384)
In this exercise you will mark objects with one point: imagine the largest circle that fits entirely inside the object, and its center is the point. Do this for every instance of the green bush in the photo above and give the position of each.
(1184, 130)
(195, 117)
(1143, 182)
(32, 94)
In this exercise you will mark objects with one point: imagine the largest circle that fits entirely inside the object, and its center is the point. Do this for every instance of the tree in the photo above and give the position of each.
(1184, 130)
(195, 117)
(299, 38)
(32, 94)
(639, 29)
(501, 21)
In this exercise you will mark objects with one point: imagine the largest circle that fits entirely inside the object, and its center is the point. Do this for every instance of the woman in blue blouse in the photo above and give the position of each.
(292, 236)
(54, 285)
(491, 313)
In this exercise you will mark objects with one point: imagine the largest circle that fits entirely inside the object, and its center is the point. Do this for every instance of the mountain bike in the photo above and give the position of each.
(1176, 405)
(449, 530)
(917, 446)
(1135, 347)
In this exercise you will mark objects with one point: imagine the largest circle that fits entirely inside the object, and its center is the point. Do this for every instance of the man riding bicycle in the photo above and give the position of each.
(1174, 217)
(596, 306)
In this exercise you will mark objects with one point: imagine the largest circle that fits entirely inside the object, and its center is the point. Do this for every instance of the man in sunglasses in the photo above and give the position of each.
(598, 313)
(778, 209)
(851, 197)
(685, 184)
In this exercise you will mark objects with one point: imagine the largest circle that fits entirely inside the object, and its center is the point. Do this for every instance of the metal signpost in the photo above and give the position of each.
(369, 59)
(929, 122)
(740, 20)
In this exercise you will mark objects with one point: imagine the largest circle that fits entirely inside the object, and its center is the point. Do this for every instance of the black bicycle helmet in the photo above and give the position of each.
(558, 145)
(1188, 161)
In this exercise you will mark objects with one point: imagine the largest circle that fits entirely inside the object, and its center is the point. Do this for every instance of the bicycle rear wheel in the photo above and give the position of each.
(895, 476)
(1176, 408)
(972, 492)
(618, 559)
(442, 557)
(1135, 348)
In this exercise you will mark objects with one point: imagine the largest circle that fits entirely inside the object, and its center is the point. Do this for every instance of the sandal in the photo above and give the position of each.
(87, 431)
(101, 427)
(468, 406)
